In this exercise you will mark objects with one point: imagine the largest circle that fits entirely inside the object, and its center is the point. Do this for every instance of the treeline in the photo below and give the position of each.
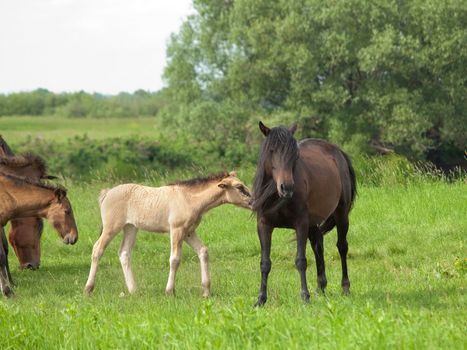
(80, 104)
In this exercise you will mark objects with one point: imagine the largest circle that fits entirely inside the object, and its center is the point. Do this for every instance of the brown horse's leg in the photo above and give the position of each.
(4, 271)
(316, 242)
(342, 223)
(264, 234)
(300, 261)
(202, 251)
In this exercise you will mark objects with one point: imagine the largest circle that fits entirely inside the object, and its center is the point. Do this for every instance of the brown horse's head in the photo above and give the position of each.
(60, 215)
(235, 191)
(279, 152)
(24, 237)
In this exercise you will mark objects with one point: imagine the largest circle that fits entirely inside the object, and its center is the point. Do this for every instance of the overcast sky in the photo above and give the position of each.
(103, 46)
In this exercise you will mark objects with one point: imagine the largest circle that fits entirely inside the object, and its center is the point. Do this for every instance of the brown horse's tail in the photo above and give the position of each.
(353, 181)
(102, 195)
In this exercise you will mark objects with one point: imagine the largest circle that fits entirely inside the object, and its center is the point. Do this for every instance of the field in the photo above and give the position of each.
(407, 267)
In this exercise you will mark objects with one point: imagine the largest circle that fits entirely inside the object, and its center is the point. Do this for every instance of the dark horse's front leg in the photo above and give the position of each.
(264, 234)
(300, 261)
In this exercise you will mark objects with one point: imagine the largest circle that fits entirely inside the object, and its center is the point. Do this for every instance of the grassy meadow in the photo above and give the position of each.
(407, 267)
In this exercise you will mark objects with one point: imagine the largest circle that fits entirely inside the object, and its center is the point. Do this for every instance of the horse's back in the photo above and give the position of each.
(322, 164)
(144, 207)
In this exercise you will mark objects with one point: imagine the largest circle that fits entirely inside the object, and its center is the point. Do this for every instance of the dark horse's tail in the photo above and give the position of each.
(330, 223)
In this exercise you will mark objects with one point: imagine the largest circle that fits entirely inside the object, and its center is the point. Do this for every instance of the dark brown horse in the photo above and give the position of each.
(25, 234)
(308, 186)
(21, 198)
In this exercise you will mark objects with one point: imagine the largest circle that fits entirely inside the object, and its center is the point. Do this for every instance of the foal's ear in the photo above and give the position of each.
(264, 129)
(233, 173)
(293, 128)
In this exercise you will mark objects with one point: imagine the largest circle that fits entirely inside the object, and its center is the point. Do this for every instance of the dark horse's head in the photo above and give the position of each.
(274, 174)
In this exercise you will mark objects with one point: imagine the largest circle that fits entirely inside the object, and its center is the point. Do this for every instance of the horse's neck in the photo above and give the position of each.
(30, 200)
(205, 198)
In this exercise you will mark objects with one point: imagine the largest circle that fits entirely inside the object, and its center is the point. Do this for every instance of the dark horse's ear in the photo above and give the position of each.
(293, 128)
(60, 193)
(264, 129)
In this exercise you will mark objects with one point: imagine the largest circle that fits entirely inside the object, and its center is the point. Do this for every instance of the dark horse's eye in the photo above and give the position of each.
(68, 211)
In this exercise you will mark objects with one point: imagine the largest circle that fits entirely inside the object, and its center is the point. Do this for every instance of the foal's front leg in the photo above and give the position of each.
(202, 251)
(176, 240)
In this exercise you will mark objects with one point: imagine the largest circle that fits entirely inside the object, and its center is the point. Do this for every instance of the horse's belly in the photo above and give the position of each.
(152, 223)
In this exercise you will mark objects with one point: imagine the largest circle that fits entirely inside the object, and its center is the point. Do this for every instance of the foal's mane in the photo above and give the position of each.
(28, 159)
(279, 139)
(198, 181)
(24, 181)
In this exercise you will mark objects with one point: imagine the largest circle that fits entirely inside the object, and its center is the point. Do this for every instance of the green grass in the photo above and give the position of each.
(406, 265)
(17, 129)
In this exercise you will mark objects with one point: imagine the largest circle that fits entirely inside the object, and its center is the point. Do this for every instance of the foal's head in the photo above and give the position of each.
(60, 215)
(235, 191)
(278, 155)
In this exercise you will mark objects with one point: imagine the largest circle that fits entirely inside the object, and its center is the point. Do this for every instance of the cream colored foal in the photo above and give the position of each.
(176, 208)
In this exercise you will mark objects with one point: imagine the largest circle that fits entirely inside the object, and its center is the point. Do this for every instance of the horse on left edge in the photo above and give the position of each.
(20, 198)
(25, 234)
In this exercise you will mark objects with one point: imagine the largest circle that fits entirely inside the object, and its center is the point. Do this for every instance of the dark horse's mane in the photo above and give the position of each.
(201, 180)
(21, 181)
(28, 159)
(279, 139)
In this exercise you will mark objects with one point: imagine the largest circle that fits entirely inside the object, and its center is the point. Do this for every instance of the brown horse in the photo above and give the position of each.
(25, 234)
(308, 186)
(20, 198)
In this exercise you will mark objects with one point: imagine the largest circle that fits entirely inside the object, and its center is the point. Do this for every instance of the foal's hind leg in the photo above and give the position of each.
(202, 251)
(129, 237)
(316, 241)
(342, 223)
(97, 252)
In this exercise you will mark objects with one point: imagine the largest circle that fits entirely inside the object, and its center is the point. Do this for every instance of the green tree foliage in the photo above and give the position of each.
(369, 75)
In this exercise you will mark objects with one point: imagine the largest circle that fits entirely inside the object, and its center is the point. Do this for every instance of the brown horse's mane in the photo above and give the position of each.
(28, 159)
(279, 139)
(5, 148)
(198, 181)
(22, 181)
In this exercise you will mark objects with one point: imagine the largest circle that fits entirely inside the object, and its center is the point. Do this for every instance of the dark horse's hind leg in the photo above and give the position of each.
(342, 223)
(316, 241)
(5, 248)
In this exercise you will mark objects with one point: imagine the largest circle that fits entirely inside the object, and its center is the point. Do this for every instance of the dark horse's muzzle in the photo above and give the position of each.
(286, 190)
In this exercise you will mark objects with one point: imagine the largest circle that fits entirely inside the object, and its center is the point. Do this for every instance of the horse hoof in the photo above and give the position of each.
(306, 297)
(170, 293)
(88, 290)
(346, 291)
(261, 301)
(8, 292)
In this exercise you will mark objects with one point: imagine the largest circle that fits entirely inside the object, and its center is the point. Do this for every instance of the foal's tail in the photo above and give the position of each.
(102, 195)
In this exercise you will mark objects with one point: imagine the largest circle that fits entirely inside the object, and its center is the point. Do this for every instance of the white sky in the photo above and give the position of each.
(104, 46)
